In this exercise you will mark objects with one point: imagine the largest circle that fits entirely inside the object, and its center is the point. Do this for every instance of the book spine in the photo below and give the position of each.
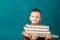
(38, 32)
(38, 26)
(36, 29)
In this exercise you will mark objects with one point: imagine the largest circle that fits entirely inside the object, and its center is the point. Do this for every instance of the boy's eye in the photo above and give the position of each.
(32, 16)
(36, 16)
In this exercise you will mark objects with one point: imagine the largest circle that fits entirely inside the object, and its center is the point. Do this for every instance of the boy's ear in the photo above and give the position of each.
(29, 17)
(40, 19)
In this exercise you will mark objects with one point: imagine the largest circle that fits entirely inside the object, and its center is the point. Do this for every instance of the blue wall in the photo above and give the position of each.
(14, 14)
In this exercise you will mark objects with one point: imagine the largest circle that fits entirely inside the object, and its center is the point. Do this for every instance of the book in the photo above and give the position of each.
(38, 32)
(40, 35)
(37, 26)
(36, 29)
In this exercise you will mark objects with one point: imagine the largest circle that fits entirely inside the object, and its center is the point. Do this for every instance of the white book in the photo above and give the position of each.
(38, 32)
(54, 36)
(37, 26)
(36, 29)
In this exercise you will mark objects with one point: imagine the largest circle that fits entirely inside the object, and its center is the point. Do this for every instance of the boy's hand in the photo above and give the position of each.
(48, 36)
(34, 36)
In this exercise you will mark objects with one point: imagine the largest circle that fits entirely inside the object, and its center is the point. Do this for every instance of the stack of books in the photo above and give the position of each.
(41, 30)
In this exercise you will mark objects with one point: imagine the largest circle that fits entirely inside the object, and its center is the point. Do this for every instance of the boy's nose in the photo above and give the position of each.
(35, 17)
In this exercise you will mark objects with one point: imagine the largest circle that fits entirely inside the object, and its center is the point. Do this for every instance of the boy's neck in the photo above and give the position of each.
(35, 24)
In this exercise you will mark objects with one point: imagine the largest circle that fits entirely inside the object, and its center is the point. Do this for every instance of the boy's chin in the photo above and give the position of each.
(35, 23)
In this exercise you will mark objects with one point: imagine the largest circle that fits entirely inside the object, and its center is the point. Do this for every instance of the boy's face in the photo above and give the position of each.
(35, 17)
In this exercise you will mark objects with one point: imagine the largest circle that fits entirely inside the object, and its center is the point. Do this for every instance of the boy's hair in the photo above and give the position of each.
(36, 10)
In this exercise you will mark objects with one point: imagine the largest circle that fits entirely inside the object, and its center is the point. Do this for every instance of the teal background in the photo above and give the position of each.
(14, 14)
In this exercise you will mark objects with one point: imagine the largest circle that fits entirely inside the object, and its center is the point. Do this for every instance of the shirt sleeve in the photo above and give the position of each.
(26, 38)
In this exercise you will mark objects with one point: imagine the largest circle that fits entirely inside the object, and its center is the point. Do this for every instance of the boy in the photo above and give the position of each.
(35, 17)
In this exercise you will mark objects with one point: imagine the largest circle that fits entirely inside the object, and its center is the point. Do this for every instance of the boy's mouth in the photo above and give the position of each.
(35, 20)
